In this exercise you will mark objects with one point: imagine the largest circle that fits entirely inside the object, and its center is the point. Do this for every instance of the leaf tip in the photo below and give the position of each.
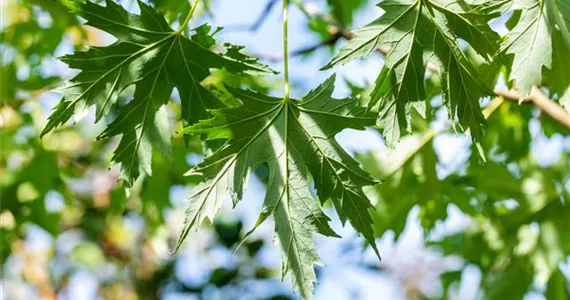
(326, 67)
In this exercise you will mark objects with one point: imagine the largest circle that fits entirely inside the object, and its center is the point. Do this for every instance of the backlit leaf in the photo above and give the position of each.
(153, 58)
(291, 137)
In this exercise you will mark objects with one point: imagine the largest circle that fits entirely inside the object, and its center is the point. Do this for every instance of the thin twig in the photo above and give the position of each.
(430, 134)
(286, 96)
(536, 96)
(539, 99)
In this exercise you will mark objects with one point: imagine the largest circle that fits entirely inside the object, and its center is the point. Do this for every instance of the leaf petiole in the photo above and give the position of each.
(286, 50)
(188, 17)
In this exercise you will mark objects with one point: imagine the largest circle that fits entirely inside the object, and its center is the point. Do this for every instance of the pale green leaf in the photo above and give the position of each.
(531, 40)
(420, 32)
(291, 137)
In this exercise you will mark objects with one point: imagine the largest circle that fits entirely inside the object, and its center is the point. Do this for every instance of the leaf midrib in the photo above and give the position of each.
(294, 239)
(360, 217)
(226, 168)
(149, 101)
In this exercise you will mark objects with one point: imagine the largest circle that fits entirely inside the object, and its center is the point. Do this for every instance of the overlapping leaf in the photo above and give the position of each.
(530, 41)
(420, 32)
(291, 137)
(154, 58)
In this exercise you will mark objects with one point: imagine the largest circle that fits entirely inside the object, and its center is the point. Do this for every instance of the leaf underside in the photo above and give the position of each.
(131, 81)
(543, 30)
(290, 137)
(422, 32)
(153, 58)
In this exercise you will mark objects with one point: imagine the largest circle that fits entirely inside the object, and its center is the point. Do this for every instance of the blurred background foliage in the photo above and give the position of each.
(68, 230)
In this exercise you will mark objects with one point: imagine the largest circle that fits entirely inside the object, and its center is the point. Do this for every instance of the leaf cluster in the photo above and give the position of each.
(432, 48)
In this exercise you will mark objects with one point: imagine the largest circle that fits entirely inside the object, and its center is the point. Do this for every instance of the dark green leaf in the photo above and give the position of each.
(154, 58)
(420, 32)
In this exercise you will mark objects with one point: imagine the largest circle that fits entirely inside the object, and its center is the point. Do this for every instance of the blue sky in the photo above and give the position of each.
(341, 279)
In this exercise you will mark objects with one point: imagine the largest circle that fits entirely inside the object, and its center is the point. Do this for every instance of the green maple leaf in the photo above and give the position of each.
(291, 137)
(531, 40)
(151, 56)
(420, 32)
